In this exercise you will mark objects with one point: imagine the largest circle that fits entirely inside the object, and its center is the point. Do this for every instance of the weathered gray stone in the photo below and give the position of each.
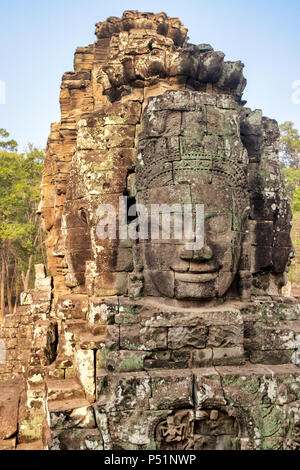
(171, 390)
(208, 389)
(181, 337)
(76, 439)
(61, 418)
(126, 392)
(228, 356)
(125, 361)
(131, 430)
(136, 337)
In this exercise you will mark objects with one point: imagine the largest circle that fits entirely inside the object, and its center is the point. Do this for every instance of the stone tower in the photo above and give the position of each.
(146, 342)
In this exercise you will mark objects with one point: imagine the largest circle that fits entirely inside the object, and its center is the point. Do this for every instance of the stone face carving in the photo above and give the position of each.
(152, 117)
(190, 152)
(156, 343)
(92, 152)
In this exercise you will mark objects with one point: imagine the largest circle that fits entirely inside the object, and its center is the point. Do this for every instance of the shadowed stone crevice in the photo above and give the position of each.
(157, 342)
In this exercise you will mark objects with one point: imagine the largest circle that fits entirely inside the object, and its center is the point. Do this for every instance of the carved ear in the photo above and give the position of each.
(246, 213)
(83, 215)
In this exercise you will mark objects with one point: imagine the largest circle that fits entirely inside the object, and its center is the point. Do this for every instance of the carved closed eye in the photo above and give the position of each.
(218, 224)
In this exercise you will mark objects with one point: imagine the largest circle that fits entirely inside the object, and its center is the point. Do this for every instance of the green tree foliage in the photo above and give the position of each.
(292, 179)
(290, 145)
(9, 145)
(296, 201)
(20, 232)
(290, 158)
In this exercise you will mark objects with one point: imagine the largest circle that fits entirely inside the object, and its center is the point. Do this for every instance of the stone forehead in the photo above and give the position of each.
(214, 196)
(182, 147)
(189, 100)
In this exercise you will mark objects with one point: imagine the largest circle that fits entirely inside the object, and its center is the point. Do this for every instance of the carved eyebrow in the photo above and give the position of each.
(210, 214)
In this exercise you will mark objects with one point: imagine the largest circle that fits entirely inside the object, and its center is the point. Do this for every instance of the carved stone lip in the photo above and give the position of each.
(196, 277)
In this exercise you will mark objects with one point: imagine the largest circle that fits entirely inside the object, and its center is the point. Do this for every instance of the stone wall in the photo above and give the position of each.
(18, 332)
(167, 378)
(135, 344)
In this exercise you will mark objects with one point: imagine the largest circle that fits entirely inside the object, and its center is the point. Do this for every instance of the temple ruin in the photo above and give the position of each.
(141, 343)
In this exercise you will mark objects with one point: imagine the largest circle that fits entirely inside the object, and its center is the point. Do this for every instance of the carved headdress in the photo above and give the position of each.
(184, 140)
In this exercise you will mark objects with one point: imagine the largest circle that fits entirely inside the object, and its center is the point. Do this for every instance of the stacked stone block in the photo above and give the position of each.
(135, 344)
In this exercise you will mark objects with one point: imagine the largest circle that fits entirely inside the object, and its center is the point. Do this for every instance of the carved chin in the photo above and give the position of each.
(192, 290)
(206, 289)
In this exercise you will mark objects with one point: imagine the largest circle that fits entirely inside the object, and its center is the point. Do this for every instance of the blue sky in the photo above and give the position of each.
(38, 39)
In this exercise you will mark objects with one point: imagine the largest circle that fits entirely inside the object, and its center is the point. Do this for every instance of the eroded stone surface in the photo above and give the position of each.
(148, 344)
(9, 403)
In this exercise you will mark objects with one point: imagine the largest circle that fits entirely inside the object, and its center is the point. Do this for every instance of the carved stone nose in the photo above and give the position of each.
(205, 254)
